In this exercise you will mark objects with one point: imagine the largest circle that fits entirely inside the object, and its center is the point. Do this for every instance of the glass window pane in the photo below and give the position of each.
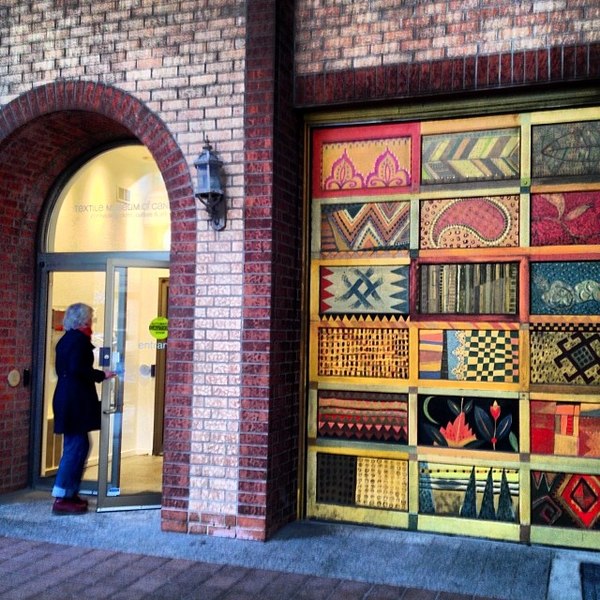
(115, 202)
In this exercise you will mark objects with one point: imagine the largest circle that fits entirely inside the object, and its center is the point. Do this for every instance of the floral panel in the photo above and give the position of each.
(566, 149)
(565, 288)
(365, 160)
(369, 226)
(565, 500)
(491, 155)
(469, 422)
(471, 288)
(490, 221)
(368, 289)
(565, 428)
(565, 353)
(363, 416)
(469, 355)
(565, 218)
(486, 493)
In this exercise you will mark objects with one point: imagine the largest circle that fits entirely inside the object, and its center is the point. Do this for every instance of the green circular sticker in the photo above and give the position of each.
(159, 328)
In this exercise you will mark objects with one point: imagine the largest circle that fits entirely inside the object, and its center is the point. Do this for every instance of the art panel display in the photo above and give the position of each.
(453, 341)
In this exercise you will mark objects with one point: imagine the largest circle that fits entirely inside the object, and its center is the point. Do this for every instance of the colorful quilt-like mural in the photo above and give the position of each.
(469, 422)
(491, 221)
(565, 218)
(565, 353)
(455, 275)
(361, 227)
(565, 500)
(565, 288)
(565, 428)
(370, 289)
(469, 355)
(370, 416)
(485, 493)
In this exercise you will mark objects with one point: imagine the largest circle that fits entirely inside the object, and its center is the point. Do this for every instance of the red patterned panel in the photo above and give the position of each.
(565, 218)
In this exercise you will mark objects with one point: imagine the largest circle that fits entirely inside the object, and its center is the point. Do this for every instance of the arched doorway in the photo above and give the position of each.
(44, 133)
(105, 241)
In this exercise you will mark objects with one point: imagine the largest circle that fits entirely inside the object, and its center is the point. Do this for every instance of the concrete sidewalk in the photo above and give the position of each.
(304, 560)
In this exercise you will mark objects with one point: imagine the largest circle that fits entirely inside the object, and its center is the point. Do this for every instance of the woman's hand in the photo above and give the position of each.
(109, 374)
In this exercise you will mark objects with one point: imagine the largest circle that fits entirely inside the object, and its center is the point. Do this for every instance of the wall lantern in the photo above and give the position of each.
(209, 188)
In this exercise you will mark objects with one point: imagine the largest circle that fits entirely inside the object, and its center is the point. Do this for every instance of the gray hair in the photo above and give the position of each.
(77, 315)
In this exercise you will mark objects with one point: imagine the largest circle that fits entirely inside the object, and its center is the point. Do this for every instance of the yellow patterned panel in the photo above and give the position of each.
(382, 483)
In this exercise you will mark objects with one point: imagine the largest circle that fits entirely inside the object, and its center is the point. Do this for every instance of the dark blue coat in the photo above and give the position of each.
(75, 403)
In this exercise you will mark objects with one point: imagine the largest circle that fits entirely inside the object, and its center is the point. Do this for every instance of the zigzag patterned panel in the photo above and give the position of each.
(491, 155)
(365, 227)
(364, 290)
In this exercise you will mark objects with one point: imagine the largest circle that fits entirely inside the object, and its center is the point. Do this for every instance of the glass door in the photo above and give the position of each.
(135, 343)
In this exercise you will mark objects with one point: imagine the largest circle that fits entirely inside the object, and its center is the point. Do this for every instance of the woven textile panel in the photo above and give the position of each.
(363, 352)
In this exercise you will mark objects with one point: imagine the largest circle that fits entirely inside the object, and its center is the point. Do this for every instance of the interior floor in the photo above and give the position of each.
(138, 474)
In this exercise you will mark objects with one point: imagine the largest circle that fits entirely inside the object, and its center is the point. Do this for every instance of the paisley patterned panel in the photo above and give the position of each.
(470, 222)
(566, 149)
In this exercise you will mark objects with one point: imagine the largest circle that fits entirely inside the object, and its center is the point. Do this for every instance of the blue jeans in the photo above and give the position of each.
(76, 447)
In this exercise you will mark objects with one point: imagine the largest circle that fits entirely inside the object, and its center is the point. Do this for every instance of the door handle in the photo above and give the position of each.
(113, 407)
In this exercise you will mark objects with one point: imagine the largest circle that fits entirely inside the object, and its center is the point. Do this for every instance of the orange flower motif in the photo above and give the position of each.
(458, 434)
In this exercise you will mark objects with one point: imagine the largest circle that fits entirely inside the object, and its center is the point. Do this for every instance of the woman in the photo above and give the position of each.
(76, 405)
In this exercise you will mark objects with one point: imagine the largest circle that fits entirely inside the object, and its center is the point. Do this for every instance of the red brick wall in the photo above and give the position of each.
(357, 52)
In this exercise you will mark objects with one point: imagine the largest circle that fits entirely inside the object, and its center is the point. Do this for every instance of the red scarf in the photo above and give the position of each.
(86, 330)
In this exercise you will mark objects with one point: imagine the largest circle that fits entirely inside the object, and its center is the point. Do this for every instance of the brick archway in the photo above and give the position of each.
(42, 133)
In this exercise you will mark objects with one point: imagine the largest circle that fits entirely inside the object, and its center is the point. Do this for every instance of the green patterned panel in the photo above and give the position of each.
(491, 155)
(566, 149)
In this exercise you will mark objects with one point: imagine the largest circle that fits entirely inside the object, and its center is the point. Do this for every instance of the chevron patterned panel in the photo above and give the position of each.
(471, 156)
(364, 227)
